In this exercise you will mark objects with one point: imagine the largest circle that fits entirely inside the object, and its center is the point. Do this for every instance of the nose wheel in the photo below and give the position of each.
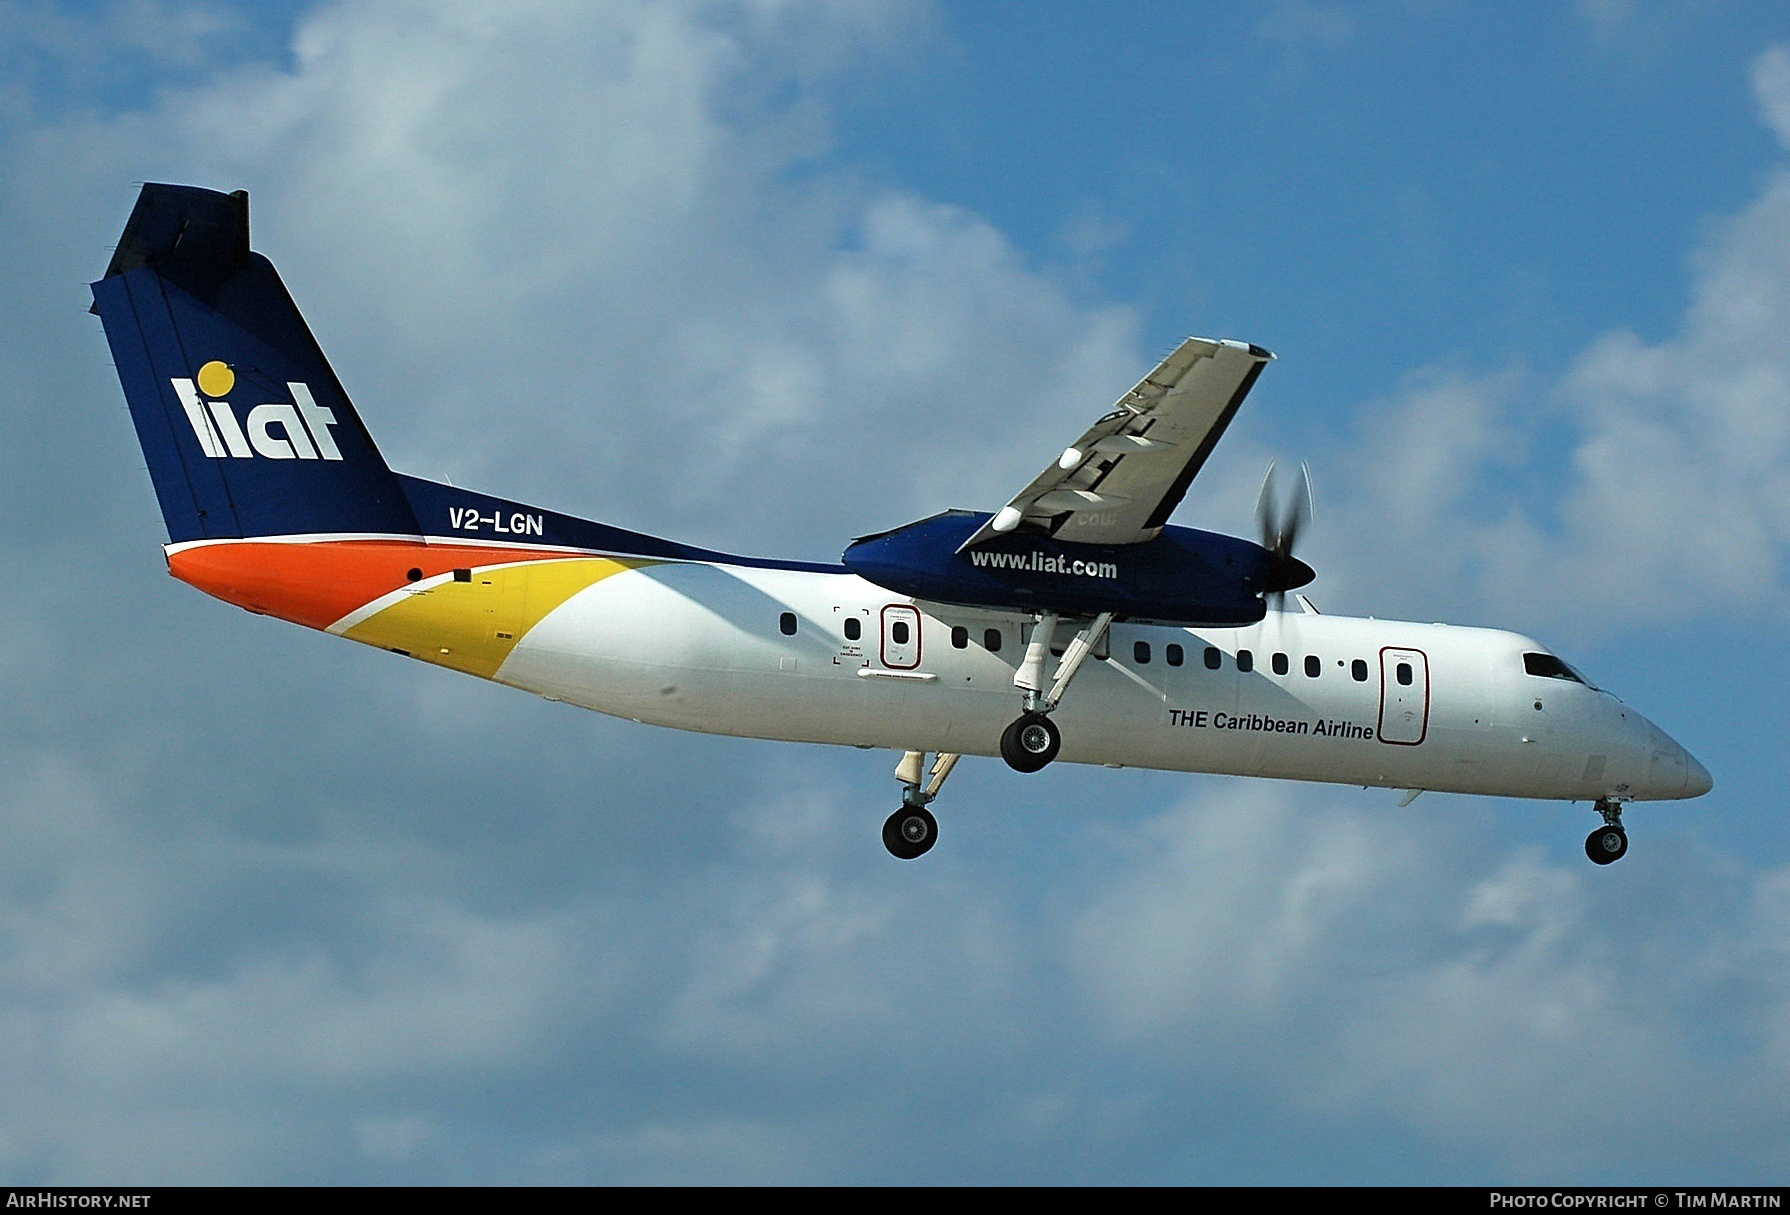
(1606, 845)
(1609, 843)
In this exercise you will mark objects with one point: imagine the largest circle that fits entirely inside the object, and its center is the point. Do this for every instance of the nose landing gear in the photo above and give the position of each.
(1609, 843)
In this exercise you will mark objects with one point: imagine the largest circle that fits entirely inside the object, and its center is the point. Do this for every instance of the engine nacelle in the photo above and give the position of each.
(1183, 576)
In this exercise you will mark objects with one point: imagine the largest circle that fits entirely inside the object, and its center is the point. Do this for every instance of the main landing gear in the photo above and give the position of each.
(1033, 740)
(1027, 745)
(911, 831)
(1609, 842)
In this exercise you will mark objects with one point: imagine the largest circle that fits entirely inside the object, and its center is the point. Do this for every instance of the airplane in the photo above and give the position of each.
(1074, 622)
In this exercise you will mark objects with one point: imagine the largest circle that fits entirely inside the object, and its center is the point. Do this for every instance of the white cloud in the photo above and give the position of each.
(442, 989)
(1771, 85)
(603, 241)
(1366, 963)
(85, 41)
(1654, 484)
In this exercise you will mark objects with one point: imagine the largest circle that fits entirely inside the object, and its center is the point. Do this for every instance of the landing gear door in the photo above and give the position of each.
(901, 637)
(1404, 696)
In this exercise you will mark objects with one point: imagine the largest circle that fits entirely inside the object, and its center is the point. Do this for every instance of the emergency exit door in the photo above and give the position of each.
(901, 637)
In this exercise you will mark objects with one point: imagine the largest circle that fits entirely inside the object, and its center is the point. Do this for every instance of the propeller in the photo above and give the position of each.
(1280, 530)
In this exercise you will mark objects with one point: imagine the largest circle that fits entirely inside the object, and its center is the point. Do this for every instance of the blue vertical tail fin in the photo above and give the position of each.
(246, 430)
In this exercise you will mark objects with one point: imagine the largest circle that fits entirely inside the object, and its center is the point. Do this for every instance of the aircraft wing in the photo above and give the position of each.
(1120, 481)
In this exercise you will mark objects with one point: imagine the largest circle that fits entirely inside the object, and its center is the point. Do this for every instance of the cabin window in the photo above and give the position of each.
(854, 628)
(462, 575)
(1358, 669)
(1245, 661)
(991, 641)
(960, 637)
(1140, 652)
(1214, 659)
(1403, 673)
(1173, 654)
(1280, 664)
(415, 574)
(1312, 665)
(898, 632)
(787, 623)
(1549, 667)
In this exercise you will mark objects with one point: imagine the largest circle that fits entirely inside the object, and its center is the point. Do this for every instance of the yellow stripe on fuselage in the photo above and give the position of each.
(472, 626)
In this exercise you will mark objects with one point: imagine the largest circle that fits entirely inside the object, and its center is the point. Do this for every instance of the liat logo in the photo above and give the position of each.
(277, 430)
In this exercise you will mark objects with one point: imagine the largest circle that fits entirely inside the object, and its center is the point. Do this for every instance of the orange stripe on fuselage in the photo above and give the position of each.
(317, 583)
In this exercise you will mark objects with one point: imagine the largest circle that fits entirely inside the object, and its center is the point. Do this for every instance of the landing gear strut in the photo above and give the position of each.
(1032, 741)
(911, 831)
(1609, 842)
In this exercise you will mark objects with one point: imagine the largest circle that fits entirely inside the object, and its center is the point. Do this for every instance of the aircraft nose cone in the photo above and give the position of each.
(1670, 771)
(1697, 780)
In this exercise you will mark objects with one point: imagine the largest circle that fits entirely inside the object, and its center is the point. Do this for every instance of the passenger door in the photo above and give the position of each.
(1404, 696)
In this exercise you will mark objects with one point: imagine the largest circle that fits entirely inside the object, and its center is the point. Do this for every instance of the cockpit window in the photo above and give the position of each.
(1550, 667)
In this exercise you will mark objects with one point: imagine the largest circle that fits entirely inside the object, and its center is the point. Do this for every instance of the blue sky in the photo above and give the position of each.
(768, 276)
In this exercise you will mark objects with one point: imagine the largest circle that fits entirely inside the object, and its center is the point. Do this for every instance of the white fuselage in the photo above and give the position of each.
(1358, 701)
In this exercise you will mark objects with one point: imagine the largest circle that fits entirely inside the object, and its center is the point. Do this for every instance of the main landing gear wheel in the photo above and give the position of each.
(910, 832)
(1030, 743)
(1606, 844)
